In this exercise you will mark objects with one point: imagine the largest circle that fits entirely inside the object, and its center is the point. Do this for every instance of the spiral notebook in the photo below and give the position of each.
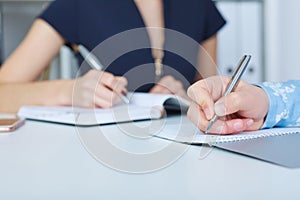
(188, 133)
(250, 135)
(281, 149)
(278, 146)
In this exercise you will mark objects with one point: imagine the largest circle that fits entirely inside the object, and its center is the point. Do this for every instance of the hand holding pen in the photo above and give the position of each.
(237, 74)
(242, 109)
(109, 89)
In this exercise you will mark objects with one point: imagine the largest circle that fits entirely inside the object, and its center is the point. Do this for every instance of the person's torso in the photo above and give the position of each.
(114, 29)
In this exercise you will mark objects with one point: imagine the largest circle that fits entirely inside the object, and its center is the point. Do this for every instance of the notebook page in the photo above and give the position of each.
(119, 113)
(52, 114)
(86, 117)
(151, 100)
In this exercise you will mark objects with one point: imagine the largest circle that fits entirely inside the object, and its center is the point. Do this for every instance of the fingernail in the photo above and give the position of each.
(250, 122)
(220, 109)
(238, 126)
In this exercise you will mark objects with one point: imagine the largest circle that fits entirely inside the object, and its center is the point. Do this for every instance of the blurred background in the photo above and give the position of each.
(266, 29)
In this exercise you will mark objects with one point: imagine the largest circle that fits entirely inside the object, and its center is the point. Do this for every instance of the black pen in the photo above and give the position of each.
(92, 60)
(238, 72)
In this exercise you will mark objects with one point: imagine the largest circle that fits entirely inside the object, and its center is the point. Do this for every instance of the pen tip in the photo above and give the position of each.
(208, 127)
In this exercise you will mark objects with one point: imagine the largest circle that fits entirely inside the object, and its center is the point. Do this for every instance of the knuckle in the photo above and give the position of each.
(123, 81)
(90, 72)
(120, 84)
(93, 73)
(109, 79)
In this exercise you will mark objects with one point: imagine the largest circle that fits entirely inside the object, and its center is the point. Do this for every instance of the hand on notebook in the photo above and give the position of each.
(99, 89)
(244, 109)
(169, 85)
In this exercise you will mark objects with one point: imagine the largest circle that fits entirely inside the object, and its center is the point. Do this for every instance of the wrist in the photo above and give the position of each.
(65, 92)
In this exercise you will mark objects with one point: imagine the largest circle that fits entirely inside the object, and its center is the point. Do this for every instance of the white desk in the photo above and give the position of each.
(48, 161)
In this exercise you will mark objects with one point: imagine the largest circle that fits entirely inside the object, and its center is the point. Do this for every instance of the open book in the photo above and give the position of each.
(142, 106)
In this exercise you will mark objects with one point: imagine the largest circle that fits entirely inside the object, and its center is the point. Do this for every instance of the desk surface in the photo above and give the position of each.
(49, 161)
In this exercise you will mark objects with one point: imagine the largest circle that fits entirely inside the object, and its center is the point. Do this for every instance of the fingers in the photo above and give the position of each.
(202, 97)
(236, 111)
(231, 126)
(110, 89)
(100, 89)
(159, 89)
(197, 116)
(221, 126)
(105, 98)
(121, 84)
(214, 85)
(229, 104)
(244, 100)
(206, 91)
(169, 85)
(115, 83)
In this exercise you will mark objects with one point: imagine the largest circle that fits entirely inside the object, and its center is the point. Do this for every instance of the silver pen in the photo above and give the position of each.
(237, 74)
(92, 60)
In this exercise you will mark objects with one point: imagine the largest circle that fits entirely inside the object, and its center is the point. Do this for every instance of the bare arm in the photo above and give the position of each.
(23, 67)
(207, 57)
(18, 75)
(33, 55)
(15, 95)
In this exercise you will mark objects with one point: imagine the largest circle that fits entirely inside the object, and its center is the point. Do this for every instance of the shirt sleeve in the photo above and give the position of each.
(62, 16)
(284, 103)
(214, 22)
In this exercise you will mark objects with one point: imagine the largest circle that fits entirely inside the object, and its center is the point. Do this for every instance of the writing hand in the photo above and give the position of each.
(242, 110)
(169, 85)
(99, 89)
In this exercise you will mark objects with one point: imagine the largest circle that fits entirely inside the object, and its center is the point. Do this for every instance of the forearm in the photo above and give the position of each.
(48, 93)
(284, 104)
(207, 57)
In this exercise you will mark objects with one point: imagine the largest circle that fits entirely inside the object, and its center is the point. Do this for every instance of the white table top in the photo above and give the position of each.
(49, 161)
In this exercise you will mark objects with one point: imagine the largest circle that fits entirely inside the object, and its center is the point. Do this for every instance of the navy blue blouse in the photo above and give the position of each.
(94, 22)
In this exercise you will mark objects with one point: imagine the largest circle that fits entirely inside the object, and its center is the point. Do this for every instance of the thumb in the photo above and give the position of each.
(229, 104)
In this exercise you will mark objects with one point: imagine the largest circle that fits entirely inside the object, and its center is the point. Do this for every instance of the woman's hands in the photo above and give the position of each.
(98, 89)
(102, 89)
(242, 110)
(169, 85)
